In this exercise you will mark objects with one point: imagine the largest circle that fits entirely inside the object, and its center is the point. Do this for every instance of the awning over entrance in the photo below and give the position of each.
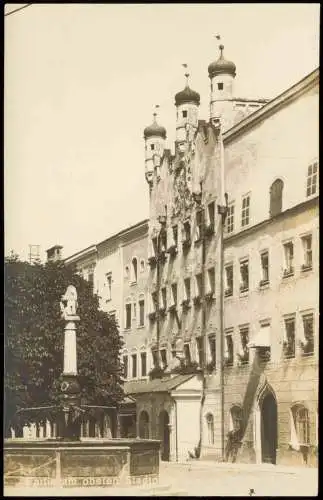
(261, 339)
(165, 384)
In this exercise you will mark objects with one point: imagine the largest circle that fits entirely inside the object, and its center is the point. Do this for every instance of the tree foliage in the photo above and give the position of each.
(34, 338)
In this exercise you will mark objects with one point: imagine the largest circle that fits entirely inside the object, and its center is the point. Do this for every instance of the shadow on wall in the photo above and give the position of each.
(235, 437)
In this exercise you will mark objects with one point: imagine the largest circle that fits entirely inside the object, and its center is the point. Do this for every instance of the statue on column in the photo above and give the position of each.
(68, 302)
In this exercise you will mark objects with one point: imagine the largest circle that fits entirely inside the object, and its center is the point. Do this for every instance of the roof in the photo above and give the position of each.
(53, 248)
(187, 95)
(156, 385)
(93, 248)
(155, 130)
(221, 66)
(272, 106)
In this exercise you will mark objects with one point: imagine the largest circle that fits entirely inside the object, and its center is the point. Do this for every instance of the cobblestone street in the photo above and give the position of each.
(207, 479)
(238, 479)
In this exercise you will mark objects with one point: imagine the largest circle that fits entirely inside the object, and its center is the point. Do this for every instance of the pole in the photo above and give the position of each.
(157, 299)
(222, 337)
(204, 341)
(223, 217)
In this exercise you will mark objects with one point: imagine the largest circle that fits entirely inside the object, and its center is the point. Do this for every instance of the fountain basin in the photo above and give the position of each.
(83, 463)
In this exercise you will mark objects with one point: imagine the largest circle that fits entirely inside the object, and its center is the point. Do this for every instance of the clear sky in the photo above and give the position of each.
(81, 81)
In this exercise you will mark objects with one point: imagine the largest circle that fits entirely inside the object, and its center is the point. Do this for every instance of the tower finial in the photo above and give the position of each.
(155, 111)
(221, 46)
(186, 74)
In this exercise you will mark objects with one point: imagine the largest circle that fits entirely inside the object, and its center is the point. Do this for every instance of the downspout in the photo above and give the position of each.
(198, 448)
(222, 337)
(223, 209)
(157, 300)
(203, 334)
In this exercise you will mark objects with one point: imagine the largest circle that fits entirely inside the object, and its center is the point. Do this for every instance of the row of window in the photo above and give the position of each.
(131, 272)
(276, 199)
(289, 267)
(133, 362)
(305, 340)
(276, 205)
(131, 314)
(168, 299)
(168, 240)
(172, 293)
(135, 365)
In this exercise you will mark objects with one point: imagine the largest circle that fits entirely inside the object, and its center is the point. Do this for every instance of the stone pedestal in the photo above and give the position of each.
(70, 355)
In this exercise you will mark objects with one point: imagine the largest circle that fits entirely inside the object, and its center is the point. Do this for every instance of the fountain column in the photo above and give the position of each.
(70, 388)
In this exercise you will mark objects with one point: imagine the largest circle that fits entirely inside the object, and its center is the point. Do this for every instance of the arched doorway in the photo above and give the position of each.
(144, 425)
(269, 427)
(164, 435)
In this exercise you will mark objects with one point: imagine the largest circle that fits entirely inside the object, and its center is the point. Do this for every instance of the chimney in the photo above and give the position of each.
(54, 253)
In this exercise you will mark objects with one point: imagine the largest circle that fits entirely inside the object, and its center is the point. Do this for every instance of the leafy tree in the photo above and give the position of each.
(34, 338)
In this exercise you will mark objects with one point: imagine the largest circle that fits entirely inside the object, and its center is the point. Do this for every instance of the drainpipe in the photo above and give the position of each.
(157, 299)
(222, 210)
(198, 200)
(222, 338)
(204, 342)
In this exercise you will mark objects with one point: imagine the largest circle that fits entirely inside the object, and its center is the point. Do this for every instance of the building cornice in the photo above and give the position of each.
(81, 254)
(228, 240)
(272, 106)
(112, 239)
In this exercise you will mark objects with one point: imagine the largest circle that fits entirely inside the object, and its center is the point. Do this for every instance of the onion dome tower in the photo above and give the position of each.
(187, 102)
(221, 74)
(155, 137)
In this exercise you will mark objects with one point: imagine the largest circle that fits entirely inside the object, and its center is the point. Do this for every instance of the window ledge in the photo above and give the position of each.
(307, 354)
(140, 327)
(288, 358)
(263, 285)
(133, 283)
(228, 294)
(306, 269)
(244, 292)
(288, 273)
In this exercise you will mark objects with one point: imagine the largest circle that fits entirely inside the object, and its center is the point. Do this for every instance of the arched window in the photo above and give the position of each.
(142, 266)
(134, 270)
(236, 417)
(126, 272)
(144, 425)
(276, 197)
(210, 428)
(301, 423)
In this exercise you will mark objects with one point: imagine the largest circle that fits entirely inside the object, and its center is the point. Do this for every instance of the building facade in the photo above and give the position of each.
(117, 269)
(271, 256)
(226, 307)
(221, 342)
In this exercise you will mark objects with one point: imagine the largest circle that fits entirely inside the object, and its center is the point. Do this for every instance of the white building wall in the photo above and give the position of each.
(281, 146)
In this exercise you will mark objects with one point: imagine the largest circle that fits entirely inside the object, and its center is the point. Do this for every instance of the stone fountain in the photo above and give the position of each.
(69, 460)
